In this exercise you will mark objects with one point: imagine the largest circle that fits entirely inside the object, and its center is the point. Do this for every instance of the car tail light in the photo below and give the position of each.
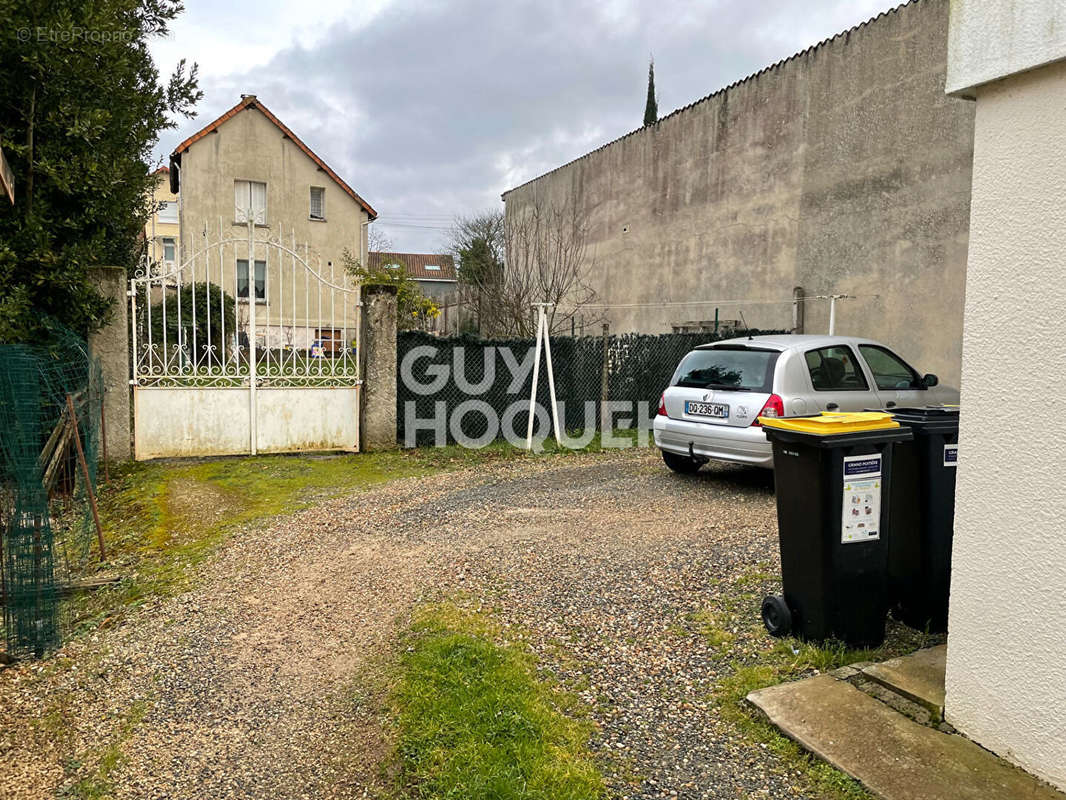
(662, 406)
(774, 407)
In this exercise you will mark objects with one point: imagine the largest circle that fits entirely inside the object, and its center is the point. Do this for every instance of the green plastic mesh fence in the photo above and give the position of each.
(46, 523)
(445, 386)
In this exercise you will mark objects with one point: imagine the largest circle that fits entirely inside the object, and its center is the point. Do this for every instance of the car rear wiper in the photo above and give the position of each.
(724, 386)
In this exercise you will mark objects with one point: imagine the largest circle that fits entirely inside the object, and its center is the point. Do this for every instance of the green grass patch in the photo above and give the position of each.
(712, 626)
(96, 767)
(775, 661)
(474, 720)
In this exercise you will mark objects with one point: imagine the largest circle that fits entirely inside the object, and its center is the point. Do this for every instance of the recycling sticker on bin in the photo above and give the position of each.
(861, 512)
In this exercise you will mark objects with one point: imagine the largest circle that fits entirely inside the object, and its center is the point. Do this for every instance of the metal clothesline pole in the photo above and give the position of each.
(551, 375)
(533, 391)
(542, 340)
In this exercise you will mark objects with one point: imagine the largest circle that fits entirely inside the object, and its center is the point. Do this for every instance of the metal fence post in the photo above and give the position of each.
(252, 354)
(604, 421)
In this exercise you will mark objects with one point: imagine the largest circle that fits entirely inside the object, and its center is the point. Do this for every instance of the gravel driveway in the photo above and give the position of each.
(255, 685)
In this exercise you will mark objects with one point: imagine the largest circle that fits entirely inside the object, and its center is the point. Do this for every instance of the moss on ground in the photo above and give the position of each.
(162, 519)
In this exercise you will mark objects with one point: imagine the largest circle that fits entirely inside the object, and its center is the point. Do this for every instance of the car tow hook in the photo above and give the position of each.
(691, 454)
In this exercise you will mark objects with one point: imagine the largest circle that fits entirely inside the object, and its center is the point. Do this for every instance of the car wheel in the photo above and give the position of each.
(776, 615)
(681, 464)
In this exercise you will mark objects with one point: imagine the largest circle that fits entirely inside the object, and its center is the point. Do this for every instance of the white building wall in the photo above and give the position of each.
(989, 39)
(1006, 671)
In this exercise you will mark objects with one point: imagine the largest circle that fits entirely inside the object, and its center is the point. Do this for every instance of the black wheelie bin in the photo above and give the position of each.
(923, 516)
(833, 481)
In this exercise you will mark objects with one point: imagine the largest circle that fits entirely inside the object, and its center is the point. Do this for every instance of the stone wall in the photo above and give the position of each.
(378, 425)
(111, 344)
(844, 169)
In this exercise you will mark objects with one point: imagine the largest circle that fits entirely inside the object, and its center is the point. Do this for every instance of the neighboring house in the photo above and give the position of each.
(161, 232)
(248, 164)
(841, 170)
(433, 272)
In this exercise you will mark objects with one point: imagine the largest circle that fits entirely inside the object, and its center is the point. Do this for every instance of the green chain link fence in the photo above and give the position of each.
(45, 522)
(446, 379)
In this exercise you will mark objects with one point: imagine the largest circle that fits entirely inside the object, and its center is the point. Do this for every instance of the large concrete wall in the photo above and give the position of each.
(844, 169)
(1006, 669)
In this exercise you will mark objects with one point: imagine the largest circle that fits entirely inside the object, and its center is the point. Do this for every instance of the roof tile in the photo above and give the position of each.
(417, 264)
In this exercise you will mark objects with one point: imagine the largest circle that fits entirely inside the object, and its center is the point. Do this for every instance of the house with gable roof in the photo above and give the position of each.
(249, 164)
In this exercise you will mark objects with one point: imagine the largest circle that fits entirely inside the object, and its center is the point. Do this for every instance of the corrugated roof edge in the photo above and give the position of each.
(776, 65)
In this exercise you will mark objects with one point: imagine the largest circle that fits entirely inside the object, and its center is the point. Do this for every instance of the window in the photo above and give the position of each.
(392, 266)
(890, 371)
(318, 202)
(727, 368)
(834, 369)
(260, 280)
(168, 212)
(432, 267)
(250, 197)
(168, 249)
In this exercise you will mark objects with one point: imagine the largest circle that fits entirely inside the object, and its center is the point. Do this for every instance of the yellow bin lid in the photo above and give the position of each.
(831, 422)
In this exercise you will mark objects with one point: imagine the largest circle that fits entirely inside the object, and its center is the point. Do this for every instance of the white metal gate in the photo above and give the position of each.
(248, 346)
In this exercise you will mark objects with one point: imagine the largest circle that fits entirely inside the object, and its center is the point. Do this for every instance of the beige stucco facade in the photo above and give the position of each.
(1006, 668)
(249, 146)
(161, 234)
(842, 170)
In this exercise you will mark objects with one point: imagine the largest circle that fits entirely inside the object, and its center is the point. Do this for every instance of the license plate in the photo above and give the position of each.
(716, 410)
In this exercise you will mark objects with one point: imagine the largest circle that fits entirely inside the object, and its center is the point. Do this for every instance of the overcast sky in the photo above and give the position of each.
(432, 109)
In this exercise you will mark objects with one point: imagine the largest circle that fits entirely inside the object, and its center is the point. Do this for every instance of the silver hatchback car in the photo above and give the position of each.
(718, 392)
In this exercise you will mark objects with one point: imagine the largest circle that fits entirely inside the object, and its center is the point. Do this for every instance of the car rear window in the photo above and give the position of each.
(727, 368)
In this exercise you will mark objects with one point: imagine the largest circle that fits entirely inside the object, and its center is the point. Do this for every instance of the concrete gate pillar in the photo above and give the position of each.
(378, 338)
(111, 345)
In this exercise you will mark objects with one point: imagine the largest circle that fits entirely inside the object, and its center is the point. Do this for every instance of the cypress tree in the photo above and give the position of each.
(651, 108)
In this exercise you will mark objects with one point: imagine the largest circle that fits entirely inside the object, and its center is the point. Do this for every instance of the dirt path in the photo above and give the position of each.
(250, 686)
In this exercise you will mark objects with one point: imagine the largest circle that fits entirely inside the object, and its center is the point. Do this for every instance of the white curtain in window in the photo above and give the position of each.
(240, 201)
(259, 202)
(249, 195)
(317, 211)
(168, 212)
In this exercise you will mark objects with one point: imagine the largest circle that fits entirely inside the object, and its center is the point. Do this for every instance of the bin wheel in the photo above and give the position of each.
(776, 616)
